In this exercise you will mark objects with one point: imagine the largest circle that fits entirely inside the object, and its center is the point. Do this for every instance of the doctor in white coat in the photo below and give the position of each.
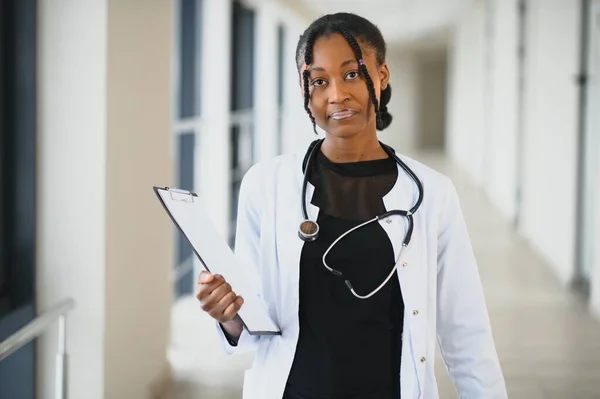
(381, 266)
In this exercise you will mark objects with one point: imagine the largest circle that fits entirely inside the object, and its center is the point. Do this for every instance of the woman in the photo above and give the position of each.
(359, 315)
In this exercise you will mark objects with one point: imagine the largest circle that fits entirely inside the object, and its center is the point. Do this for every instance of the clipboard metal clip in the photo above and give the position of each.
(181, 195)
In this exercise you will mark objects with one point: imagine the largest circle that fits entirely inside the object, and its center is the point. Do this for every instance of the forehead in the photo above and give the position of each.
(334, 49)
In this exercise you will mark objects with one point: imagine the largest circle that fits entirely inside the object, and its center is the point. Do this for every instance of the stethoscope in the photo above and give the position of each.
(309, 229)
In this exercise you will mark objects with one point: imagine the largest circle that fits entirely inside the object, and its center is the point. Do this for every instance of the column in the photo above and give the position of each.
(214, 144)
(265, 78)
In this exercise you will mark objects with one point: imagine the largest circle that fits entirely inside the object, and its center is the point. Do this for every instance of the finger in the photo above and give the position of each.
(210, 295)
(223, 304)
(220, 291)
(219, 278)
(205, 289)
(217, 309)
(232, 310)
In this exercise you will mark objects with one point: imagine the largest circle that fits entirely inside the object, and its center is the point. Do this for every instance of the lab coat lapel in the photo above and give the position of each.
(404, 195)
(289, 245)
(399, 197)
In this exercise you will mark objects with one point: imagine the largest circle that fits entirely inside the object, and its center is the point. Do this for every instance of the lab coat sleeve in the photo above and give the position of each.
(463, 326)
(246, 250)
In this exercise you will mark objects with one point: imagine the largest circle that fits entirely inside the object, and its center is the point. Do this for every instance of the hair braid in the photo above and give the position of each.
(363, 69)
(305, 75)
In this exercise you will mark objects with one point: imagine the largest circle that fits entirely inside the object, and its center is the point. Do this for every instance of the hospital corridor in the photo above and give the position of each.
(106, 103)
(546, 339)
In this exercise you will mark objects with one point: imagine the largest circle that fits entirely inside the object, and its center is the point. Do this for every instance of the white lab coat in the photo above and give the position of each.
(438, 276)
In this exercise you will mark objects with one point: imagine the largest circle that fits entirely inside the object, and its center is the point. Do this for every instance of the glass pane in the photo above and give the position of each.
(188, 40)
(280, 85)
(242, 158)
(185, 168)
(242, 55)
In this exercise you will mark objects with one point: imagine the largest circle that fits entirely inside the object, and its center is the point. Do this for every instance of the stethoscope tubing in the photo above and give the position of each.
(409, 214)
(312, 234)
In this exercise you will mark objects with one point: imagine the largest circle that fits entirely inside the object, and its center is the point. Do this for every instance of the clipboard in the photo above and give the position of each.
(188, 213)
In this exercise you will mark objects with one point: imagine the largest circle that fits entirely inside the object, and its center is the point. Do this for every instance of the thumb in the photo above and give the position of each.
(206, 277)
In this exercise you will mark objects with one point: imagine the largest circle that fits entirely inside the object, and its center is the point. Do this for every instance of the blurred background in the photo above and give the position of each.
(102, 99)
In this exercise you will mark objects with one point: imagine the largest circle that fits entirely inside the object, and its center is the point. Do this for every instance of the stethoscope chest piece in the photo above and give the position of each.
(308, 230)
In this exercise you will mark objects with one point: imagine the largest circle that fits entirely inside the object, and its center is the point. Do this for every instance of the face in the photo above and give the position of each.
(339, 97)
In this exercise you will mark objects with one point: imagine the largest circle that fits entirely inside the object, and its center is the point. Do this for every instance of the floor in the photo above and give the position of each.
(548, 344)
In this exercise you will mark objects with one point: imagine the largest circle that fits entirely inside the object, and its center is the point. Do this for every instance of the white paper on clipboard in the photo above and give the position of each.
(189, 215)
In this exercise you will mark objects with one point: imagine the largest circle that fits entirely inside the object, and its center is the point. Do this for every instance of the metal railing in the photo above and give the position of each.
(37, 327)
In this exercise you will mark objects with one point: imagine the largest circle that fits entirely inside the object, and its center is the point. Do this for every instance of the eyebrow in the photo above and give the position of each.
(343, 64)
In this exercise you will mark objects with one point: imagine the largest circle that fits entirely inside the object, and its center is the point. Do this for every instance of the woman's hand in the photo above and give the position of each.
(220, 302)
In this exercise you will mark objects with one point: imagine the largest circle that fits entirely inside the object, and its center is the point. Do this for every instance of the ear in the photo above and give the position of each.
(384, 75)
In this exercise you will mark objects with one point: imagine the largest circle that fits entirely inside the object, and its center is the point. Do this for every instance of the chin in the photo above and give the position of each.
(345, 130)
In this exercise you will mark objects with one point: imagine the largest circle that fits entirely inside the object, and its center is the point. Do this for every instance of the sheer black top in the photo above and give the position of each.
(348, 347)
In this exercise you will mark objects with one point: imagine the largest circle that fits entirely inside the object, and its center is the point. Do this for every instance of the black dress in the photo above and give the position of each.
(348, 347)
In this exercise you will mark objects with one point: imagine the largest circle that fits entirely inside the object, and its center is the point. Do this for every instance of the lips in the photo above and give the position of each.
(342, 114)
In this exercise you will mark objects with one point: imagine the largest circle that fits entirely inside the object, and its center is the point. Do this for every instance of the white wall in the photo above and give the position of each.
(72, 192)
(104, 140)
(266, 63)
(403, 104)
(483, 113)
(466, 94)
(503, 101)
(550, 142)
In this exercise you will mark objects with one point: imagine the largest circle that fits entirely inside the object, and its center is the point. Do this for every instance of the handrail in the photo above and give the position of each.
(34, 329)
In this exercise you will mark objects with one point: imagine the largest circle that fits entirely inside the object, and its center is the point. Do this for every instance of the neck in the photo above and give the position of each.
(352, 149)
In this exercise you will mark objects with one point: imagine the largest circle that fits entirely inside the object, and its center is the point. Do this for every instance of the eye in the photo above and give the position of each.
(352, 75)
(317, 82)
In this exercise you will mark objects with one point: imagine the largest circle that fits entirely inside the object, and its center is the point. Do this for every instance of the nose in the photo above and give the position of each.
(338, 92)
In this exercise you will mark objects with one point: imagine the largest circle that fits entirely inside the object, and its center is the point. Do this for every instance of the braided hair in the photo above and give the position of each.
(351, 27)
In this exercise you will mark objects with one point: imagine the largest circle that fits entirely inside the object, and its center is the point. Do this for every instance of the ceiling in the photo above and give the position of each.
(401, 21)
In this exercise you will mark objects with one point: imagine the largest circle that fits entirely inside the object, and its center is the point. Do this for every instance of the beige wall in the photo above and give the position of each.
(431, 109)
(137, 231)
(104, 140)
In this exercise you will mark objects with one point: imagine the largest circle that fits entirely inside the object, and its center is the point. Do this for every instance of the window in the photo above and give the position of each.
(242, 103)
(280, 85)
(17, 157)
(18, 182)
(187, 111)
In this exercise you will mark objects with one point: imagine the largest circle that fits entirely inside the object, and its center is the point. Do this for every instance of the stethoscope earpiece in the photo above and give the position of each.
(308, 231)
